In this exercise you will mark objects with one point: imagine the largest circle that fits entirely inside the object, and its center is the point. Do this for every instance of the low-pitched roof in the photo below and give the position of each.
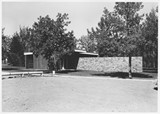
(28, 53)
(79, 51)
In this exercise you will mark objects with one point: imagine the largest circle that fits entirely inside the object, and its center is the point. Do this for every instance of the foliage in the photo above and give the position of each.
(5, 45)
(14, 59)
(119, 32)
(108, 34)
(86, 43)
(129, 13)
(51, 39)
(14, 48)
(16, 51)
(150, 33)
(25, 34)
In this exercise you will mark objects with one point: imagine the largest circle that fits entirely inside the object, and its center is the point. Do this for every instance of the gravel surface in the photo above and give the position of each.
(65, 94)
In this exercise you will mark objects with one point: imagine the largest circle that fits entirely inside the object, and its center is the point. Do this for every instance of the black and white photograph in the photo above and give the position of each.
(79, 56)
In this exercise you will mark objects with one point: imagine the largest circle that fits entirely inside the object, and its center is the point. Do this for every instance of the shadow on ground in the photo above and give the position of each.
(123, 75)
(67, 71)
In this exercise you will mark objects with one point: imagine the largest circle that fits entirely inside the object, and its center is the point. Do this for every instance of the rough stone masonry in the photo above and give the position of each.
(110, 64)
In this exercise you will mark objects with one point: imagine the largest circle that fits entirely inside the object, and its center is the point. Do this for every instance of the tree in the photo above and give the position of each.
(5, 45)
(25, 34)
(119, 32)
(108, 34)
(129, 13)
(150, 33)
(51, 39)
(19, 43)
(85, 42)
(16, 52)
(4, 48)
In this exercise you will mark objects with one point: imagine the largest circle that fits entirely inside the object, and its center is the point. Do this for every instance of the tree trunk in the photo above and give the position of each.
(130, 64)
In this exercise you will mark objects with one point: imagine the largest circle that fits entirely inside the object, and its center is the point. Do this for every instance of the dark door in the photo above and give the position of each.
(29, 61)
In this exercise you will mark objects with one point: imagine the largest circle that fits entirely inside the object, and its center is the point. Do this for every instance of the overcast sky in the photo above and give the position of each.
(82, 15)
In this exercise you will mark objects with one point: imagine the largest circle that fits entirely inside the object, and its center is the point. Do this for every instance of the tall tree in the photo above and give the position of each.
(150, 32)
(107, 34)
(129, 13)
(16, 56)
(25, 34)
(5, 45)
(20, 43)
(51, 39)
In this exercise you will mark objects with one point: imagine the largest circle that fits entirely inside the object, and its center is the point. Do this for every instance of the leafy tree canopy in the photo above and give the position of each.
(5, 45)
(129, 13)
(86, 43)
(150, 33)
(51, 38)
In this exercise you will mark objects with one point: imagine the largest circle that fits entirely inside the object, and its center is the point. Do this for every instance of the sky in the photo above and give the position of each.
(83, 15)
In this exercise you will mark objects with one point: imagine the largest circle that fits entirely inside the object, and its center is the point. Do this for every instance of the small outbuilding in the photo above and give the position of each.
(68, 61)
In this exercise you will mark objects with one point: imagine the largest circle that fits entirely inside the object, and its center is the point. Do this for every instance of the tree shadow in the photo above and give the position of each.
(141, 75)
(113, 74)
(78, 72)
(124, 75)
(65, 71)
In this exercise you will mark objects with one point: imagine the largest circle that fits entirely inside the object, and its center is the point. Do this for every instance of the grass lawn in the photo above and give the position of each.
(63, 94)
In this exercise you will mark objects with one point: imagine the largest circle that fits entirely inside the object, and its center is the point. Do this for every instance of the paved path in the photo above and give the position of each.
(63, 94)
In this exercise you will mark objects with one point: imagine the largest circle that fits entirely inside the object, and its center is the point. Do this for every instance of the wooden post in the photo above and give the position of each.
(130, 68)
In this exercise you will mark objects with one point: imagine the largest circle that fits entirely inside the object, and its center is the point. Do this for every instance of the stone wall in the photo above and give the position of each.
(137, 64)
(110, 64)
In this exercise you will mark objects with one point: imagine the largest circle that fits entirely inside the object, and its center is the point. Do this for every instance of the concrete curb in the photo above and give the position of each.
(89, 77)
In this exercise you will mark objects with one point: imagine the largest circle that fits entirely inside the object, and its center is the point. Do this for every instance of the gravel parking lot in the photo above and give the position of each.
(65, 94)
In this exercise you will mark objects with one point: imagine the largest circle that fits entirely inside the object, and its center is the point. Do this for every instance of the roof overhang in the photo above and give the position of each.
(28, 53)
(84, 53)
(90, 53)
(80, 51)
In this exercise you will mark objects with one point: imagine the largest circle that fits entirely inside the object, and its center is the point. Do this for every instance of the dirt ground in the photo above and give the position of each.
(78, 94)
